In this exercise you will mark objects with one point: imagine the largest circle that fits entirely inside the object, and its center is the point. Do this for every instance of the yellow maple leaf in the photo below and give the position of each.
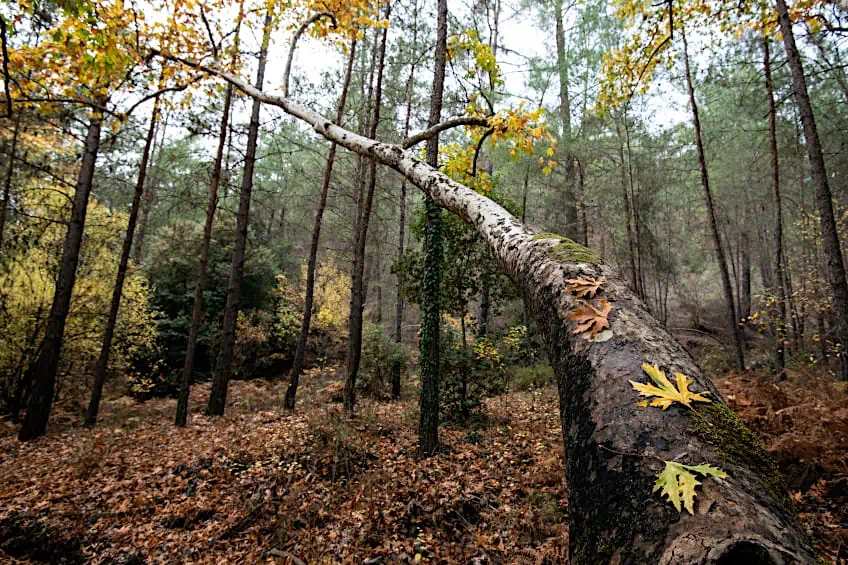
(590, 319)
(677, 482)
(585, 286)
(665, 392)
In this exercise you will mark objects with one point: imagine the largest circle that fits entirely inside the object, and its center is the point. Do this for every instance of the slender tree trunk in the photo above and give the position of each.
(484, 307)
(410, 83)
(779, 328)
(732, 319)
(181, 416)
(834, 265)
(148, 197)
(525, 312)
(428, 422)
(109, 333)
(569, 204)
(357, 293)
(627, 213)
(311, 265)
(613, 447)
(46, 365)
(745, 283)
(223, 367)
(7, 180)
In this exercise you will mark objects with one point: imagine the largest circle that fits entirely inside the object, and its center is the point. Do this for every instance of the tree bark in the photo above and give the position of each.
(311, 265)
(358, 289)
(223, 367)
(778, 329)
(612, 445)
(7, 180)
(732, 319)
(834, 265)
(46, 365)
(117, 292)
(429, 359)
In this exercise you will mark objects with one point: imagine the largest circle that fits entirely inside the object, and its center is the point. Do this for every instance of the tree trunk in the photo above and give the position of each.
(834, 265)
(745, 283)
(46, 365)
(612, 445)
(429, 363)
(734, 331)
(631, 248)
(7, 181)
(484, 307)
(569, 200)
(223, 367)
(357, 292)
(300, 351)
(778, 329)
(148, 196)
(181, 417)
(109, 333)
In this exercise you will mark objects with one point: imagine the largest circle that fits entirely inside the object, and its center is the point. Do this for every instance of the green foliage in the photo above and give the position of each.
(172, 261)
(288, 312)
(379, 354)
(468, 375)
(532, 377)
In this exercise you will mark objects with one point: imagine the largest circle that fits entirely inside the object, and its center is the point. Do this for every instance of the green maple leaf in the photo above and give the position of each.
(665, 392)
(678, 481)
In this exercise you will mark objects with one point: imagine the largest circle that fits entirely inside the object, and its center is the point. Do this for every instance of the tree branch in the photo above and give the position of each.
(438, 128)
(304, 26)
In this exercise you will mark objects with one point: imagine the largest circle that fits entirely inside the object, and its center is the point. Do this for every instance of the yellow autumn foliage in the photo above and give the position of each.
(27, 282)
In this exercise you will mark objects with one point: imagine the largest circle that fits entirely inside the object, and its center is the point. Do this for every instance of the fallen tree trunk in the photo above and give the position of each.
(614, 449)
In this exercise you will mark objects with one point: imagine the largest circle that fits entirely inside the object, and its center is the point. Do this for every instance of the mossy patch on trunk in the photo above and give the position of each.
(738, 445)
(568, 250)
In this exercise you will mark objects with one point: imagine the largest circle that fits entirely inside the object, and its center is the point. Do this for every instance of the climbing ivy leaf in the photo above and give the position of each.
(665, 392)
(677, 482)
(585, 287)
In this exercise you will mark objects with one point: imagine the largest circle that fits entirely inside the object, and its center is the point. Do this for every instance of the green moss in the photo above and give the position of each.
(547, 235)
(569, 251)
(738, 445)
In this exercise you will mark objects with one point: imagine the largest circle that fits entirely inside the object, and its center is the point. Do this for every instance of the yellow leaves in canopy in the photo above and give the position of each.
(28, 282)
(481, 59)
(665, 392)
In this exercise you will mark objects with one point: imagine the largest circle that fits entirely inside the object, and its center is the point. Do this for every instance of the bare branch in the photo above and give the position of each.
(296, 38)
(438, 128)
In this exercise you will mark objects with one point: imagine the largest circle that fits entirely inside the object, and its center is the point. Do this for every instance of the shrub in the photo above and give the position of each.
(468, 375)
(532, 377)
(379, 354)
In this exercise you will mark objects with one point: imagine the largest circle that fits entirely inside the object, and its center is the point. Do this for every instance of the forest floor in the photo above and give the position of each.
(262, 485)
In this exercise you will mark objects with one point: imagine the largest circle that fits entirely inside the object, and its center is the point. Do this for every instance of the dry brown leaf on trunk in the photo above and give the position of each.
(590, 319)
(585, 287)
